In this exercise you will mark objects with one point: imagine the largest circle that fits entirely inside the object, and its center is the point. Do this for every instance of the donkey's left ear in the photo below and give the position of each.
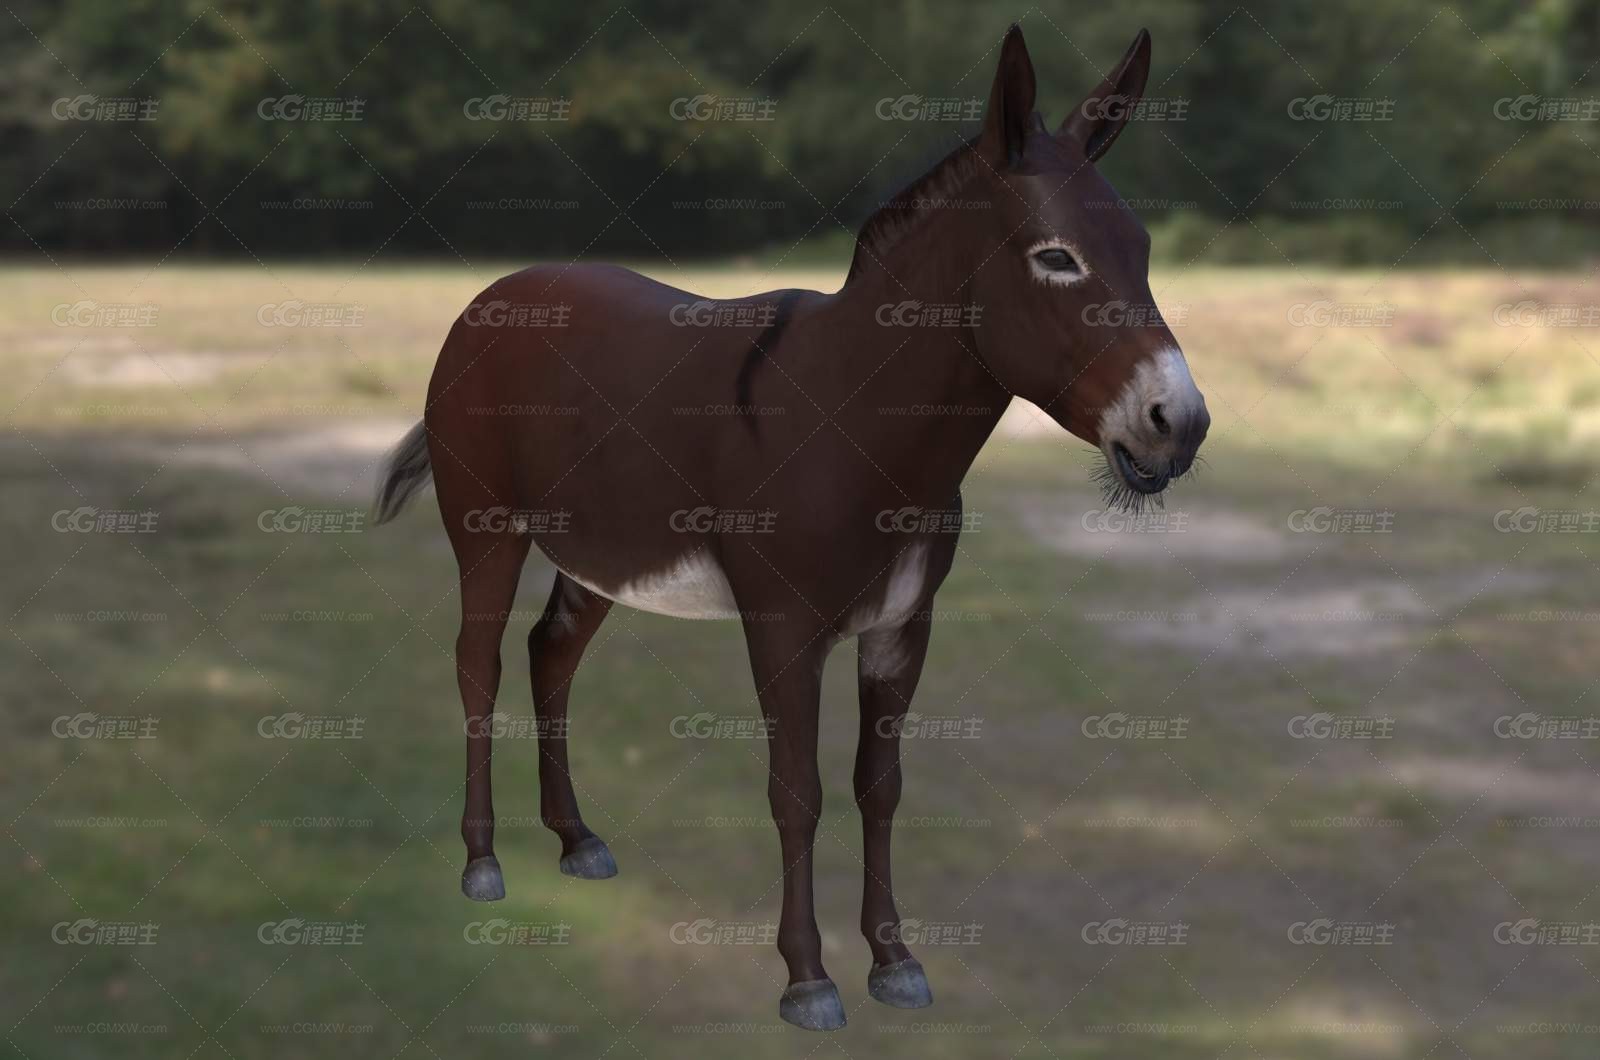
(1097, 121)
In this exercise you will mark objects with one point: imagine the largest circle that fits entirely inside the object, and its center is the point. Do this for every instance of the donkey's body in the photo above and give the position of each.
(793, 460)
(632, 431)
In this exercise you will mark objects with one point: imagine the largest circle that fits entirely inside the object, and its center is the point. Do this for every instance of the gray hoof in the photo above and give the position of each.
(590, 860)
(813, 1005)
(482, 882)
(902, 984)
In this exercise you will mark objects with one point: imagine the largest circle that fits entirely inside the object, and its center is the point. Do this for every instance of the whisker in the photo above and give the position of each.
(1120, 496)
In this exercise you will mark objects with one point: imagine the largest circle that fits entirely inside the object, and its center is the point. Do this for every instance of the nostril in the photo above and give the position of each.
(1159, 420)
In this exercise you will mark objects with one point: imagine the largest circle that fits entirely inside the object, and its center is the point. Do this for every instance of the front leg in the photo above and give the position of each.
(887, 672)
(788, 679)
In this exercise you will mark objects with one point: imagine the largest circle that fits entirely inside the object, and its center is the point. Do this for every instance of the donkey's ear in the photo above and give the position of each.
(1097, 121)
(1010, 113)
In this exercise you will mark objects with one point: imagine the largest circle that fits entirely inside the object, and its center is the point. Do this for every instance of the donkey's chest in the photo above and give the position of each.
(904, 586)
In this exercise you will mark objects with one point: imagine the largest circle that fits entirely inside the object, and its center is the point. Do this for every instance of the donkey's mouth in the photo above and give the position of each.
(1134, 475)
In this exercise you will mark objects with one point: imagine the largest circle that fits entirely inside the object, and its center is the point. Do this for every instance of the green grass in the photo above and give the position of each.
(1024, 834)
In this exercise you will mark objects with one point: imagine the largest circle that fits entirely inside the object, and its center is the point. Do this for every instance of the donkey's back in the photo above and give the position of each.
(589, 335)
(602, 409)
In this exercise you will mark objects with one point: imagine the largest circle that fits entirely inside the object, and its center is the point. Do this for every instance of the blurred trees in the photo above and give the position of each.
(643, 164)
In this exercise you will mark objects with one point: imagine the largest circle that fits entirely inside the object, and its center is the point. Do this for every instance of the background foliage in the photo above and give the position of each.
(1442, 174)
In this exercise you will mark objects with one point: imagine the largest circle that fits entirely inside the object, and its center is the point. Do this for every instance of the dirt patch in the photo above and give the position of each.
(77, 345)
(1502, 784)
(1352, 618)
(1079, 525)
(135, 370)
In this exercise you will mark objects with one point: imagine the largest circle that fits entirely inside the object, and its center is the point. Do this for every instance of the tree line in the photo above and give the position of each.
(668, 129)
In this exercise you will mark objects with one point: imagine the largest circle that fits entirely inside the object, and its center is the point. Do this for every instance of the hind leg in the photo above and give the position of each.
(490, 567)
(555, 647)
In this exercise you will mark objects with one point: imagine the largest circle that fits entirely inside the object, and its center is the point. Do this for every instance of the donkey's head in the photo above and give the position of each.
(1069, 322)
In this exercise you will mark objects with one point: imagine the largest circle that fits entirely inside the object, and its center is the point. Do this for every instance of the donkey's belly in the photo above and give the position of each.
(692, 587)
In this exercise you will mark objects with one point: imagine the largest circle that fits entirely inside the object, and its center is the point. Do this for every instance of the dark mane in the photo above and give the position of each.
(889, 222)
(905, 209)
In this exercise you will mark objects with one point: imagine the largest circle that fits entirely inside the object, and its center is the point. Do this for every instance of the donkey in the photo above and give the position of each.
(635, 502)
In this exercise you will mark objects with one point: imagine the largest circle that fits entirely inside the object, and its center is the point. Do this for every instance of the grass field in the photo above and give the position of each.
(1016, 839)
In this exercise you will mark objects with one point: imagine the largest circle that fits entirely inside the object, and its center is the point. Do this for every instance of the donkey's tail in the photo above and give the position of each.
(405, 471)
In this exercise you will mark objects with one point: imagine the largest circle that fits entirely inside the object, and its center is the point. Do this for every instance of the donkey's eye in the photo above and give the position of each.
(1057, 260)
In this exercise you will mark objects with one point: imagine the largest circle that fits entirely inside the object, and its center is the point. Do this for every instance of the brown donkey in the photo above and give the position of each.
(636, 502)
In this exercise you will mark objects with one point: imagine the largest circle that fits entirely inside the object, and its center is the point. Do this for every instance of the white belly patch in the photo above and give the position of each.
(693, 587)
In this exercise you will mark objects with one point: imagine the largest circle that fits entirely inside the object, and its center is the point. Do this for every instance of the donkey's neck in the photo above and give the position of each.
(927, 401)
